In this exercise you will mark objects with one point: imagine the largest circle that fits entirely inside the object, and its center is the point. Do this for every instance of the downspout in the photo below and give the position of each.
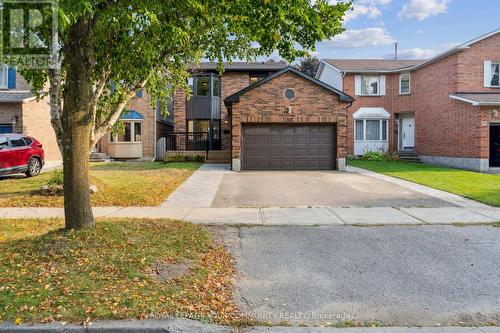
(347, 133)
(155, 126)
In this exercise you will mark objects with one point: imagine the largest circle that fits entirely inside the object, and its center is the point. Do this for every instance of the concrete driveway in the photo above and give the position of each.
(411, 275)
(315, 188)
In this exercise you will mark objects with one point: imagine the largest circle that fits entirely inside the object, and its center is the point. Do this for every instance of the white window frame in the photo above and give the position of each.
(4, 76)
(381, 122)
(114, 138)
(377, 77)
(494, 63)
(409, 84)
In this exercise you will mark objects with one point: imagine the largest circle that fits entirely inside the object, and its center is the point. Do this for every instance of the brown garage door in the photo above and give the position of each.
(288, 147)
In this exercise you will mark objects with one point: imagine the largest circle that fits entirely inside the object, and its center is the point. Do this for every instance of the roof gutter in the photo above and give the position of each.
(472, 101)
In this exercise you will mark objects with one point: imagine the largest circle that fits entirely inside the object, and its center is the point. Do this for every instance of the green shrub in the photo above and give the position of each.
(184, 158)
(379, 156)
(373, 156)
(391, 156)
(57, 178)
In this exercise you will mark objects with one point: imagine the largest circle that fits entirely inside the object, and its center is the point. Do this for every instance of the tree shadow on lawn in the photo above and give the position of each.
(110, 272)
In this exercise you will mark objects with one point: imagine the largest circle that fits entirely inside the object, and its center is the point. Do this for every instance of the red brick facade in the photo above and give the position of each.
(444, 127)
(448, 127)
(266, 103)
(392, 102)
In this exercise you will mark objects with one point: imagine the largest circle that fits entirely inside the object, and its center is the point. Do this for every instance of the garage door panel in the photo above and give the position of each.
(276, 140)
(288, 147)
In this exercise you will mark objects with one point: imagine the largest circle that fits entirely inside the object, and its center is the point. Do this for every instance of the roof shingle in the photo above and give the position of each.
(15, 96)
(371, 64)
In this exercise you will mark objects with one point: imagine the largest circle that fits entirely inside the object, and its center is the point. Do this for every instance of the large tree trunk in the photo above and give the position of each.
(77, 124)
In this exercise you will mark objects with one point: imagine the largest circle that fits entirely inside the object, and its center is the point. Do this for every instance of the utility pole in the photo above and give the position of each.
(396, 51)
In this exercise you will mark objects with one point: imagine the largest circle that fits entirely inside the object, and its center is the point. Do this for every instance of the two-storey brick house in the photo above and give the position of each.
(446, 109)
(260, 116)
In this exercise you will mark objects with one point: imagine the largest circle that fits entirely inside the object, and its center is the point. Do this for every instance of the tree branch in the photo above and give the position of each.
(55, 79)
(101, 84)
(114, 115)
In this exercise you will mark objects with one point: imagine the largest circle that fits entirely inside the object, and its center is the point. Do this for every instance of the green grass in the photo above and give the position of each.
(109, 272)
(473, 185)
(119, 184)
(134, 166)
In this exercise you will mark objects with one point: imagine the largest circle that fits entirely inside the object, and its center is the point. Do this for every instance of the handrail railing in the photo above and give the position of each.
(179, 141)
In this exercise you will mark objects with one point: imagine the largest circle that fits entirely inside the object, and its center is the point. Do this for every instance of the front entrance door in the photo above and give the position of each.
(495, 145)
(408, 132)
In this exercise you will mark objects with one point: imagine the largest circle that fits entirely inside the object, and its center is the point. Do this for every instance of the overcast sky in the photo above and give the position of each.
(422, 28)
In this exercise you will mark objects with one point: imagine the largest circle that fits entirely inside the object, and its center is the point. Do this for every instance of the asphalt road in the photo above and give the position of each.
(396, 275)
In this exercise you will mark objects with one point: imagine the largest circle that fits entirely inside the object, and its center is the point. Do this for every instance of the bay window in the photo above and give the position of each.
(132, 133)
(371, 130)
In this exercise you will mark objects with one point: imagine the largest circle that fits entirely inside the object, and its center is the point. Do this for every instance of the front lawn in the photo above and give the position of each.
(119, 184)
(472, 185)
(115, 271)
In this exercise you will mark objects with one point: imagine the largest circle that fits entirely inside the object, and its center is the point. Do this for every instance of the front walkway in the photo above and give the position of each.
(199, 189)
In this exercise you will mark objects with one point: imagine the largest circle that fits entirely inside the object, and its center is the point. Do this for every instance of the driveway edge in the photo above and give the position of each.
(452, 198)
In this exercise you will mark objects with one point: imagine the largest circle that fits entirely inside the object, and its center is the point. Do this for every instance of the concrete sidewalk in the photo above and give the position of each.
(283, 216)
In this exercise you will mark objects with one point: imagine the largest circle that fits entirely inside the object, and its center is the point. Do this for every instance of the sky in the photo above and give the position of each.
(422, 28)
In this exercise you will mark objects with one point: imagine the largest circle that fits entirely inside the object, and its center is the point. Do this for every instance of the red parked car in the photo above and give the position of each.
(20, 154)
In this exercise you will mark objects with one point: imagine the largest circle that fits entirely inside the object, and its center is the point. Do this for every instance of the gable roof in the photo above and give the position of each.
(264, 66)
(387, 66)
(458, 48)
(236, 96)
(368, 65)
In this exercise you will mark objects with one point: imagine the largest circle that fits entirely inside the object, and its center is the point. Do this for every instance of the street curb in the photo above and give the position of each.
(188, 326)
(120, 326)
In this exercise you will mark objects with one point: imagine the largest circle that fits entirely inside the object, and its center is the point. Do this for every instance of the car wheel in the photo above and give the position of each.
(34, 167)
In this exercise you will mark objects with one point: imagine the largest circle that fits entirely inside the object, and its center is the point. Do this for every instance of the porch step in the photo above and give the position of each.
(409, 156)
(219, 156)
(99, 157)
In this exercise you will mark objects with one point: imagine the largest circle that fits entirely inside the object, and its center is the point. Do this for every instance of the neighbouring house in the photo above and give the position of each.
(20, 112)
(143, 124)
(444, 109)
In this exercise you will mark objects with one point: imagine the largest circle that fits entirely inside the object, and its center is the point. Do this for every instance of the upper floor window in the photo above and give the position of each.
(370, 85)
(495, 74)
(255, 77)
(216, 86)
(404, 83)
(4, 76)
(205, 85)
